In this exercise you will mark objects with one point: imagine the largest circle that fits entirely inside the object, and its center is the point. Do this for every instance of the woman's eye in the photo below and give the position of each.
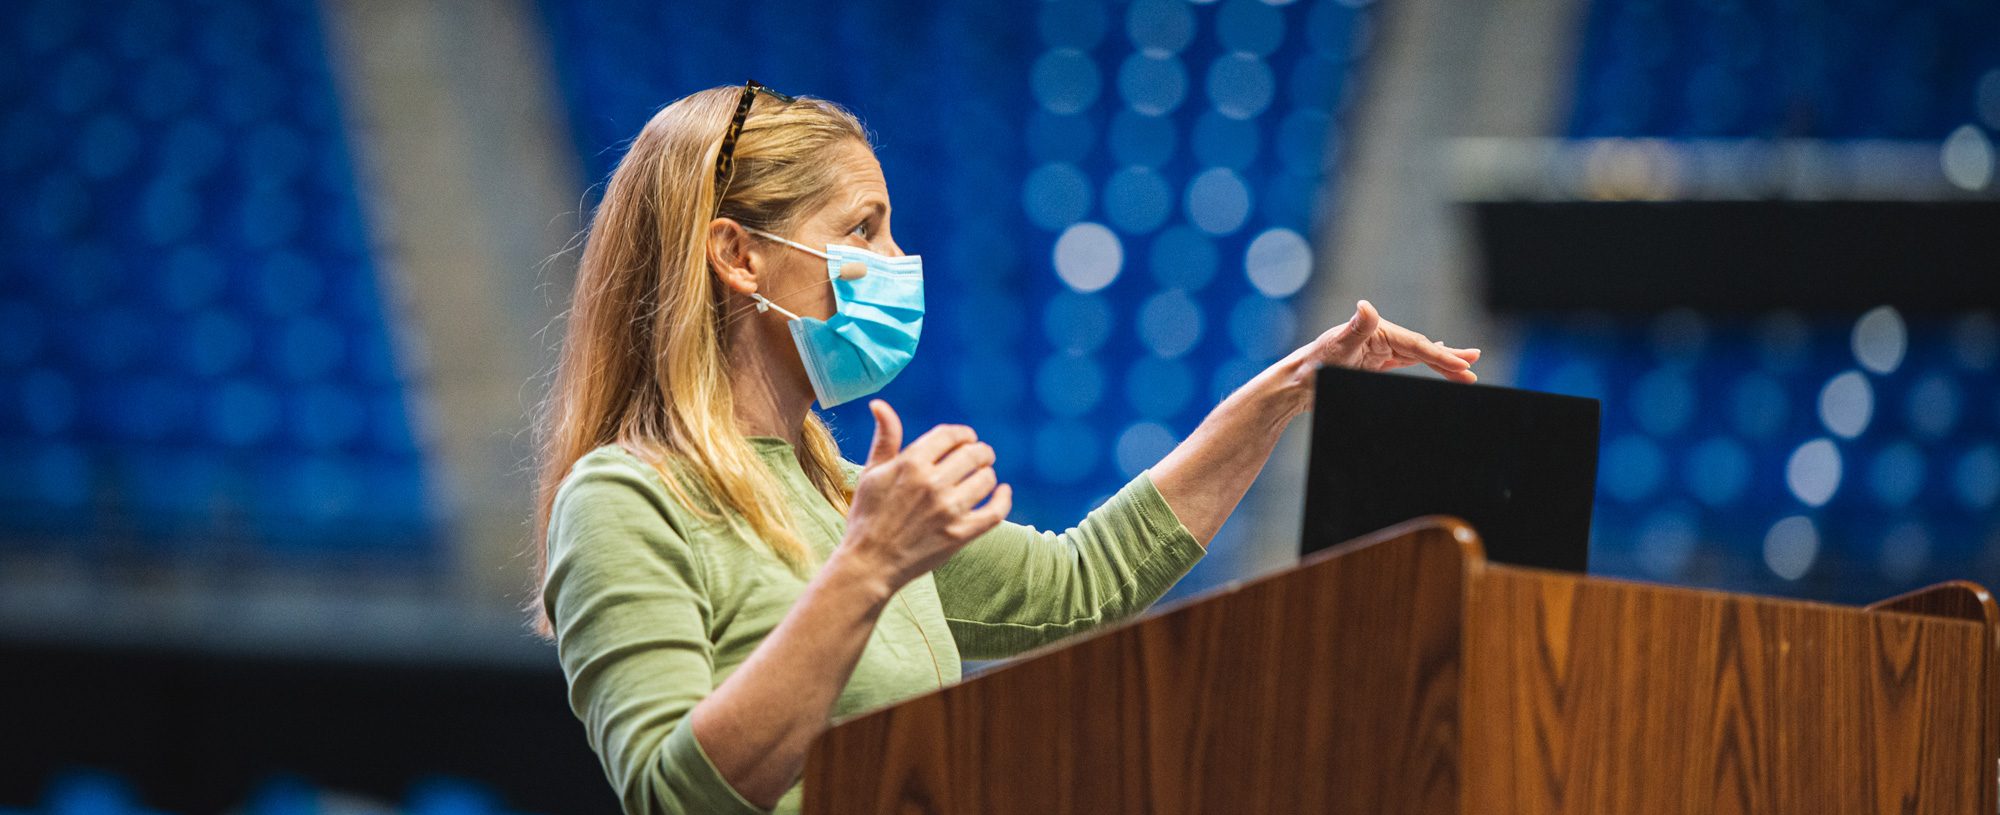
(859, 229)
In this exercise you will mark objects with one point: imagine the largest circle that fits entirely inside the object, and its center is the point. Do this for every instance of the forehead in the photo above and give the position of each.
(856, 172)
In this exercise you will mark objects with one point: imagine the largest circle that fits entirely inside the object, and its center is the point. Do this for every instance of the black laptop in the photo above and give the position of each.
(1520, 466)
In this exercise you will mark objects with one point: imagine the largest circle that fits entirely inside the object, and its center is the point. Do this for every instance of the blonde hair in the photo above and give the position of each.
(642, 359)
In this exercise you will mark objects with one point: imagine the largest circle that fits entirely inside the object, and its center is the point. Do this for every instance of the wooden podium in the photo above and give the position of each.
(1402, 673)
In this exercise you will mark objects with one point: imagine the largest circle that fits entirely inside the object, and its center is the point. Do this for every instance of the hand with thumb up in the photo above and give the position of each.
(915, 506)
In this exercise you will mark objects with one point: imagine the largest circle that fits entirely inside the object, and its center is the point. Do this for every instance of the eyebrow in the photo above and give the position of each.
(875, 204)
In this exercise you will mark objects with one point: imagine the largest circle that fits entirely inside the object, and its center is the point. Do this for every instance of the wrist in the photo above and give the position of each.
(855, 574)
(1283, 390)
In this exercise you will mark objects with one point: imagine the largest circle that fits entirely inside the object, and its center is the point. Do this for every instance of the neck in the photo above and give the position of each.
(771, 395)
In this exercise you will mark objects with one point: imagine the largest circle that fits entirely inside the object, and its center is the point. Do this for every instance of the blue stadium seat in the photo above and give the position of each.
(193, 335)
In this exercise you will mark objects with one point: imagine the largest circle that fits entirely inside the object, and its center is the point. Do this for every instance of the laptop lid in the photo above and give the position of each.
(1520, 466)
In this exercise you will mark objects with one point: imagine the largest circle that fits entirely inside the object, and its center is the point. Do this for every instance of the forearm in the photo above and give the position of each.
(1206, 476)
(757, 726)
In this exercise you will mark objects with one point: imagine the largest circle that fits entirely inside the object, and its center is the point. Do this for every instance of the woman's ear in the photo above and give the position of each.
(730, 257)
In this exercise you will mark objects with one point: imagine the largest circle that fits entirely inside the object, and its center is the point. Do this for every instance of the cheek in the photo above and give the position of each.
(807, 282)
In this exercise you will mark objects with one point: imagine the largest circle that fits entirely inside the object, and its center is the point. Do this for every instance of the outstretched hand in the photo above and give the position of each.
(1369, 343)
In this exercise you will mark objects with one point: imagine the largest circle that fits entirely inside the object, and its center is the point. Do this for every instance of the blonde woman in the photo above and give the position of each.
(718, 581)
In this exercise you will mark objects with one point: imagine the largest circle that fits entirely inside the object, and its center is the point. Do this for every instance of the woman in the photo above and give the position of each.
(719, 582)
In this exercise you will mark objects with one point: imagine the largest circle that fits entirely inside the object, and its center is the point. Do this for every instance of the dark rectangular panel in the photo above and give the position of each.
(1739, 256)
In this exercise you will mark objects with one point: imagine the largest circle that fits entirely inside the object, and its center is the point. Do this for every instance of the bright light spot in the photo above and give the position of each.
(1846, 404)
(1278, 262)
(1218, 202)
(1813, 472)
(1880, 340)
(1791, 547)
(1968, 158)
(1088, 256)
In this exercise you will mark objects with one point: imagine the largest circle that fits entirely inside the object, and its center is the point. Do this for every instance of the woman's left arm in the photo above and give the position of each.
(1205, 477)
(1016, 587)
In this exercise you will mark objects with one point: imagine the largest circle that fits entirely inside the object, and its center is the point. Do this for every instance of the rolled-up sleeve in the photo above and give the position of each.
(626, 596)
(1016, 587)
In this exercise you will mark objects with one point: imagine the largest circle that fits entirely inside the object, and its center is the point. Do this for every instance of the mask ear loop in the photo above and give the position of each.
(851, 270)
(766, 305)
(848, 271)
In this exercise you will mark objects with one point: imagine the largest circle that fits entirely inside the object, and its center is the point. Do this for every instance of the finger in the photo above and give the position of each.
(974, 489)
(978, 521)
(1412, 344)
(1365, 322)
(888, 433)
(963, 461)
(1437, 353)
(1457, 374)
(938, 441)
(1467, 354)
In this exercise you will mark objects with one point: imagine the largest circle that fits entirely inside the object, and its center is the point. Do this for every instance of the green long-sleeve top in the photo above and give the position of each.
(654, 607)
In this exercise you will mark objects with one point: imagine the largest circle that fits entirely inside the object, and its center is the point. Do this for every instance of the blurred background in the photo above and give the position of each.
(280, 281)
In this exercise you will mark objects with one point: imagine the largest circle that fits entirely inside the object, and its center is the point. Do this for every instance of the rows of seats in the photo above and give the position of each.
(196, 356)
(1826, 69)
(1835, 457)
(1769, 452)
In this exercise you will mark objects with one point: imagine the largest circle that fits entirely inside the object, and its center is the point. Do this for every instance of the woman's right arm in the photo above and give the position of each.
(632, 623)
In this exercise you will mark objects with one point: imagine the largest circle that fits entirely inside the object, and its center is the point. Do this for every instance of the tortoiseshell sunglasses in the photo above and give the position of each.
(725, 159)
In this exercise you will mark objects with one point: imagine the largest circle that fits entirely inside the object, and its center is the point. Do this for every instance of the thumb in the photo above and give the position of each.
(1363, 325)
(888, 433)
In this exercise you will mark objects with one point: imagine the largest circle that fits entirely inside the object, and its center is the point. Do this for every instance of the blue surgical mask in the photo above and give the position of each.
(872, 335)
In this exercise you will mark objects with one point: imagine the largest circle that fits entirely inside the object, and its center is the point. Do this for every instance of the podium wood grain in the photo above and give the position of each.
(1401, 673)
(1606, 696)
(1245, 701)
